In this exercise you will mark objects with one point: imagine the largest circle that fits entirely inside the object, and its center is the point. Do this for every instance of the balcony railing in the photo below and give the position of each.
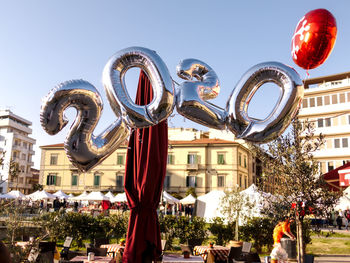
(192, 166)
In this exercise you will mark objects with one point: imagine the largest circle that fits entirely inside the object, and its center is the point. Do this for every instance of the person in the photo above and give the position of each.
(76, 205)
(347, 217)
(56, 204)
(278, 254)
(340, 219)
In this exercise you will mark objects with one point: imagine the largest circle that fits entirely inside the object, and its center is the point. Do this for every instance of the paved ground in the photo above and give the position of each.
(332, 259)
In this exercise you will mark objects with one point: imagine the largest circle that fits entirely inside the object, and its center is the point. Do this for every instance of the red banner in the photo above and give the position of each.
(344, 177)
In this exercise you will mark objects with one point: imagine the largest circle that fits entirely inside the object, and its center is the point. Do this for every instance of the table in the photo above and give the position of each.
(113, 248)
(218, 252)
(181, 259)
(98, 259)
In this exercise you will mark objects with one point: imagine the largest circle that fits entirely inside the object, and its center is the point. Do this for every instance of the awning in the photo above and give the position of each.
(335, 181)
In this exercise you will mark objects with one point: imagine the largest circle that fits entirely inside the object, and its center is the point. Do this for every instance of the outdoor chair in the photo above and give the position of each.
(234, 254)
(102, 252)
(186, 249)
(253, 258)
(100, 241)
(246, 247)
(66, 246)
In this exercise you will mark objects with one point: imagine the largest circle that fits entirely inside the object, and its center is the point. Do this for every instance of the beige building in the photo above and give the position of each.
(327, 104)
(198, 160)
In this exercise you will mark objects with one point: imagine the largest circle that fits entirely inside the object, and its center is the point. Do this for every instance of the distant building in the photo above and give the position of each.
(327, 104)
(195, 159)
(18, 149)
(35, 178)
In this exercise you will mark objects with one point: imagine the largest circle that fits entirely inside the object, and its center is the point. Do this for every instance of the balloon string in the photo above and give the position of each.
(306, 77)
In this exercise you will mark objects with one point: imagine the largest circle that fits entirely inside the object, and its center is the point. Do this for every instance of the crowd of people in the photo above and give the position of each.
(339, 219)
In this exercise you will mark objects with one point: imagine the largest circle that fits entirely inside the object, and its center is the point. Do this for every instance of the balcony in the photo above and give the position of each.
(31, 152)
(192, 166)
(31, 163)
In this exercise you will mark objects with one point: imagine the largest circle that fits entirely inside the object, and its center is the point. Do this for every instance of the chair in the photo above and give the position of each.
(66, 246)
(100, 241)
(253, 258)
(234, 254)
(102, 252)
(246, 247)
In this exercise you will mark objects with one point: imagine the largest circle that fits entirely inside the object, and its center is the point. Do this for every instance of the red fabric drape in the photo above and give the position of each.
(144, 176)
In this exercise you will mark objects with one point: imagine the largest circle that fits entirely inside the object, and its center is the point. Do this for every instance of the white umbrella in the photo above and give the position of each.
(110, 195)
(70, 195)
(96, 196)
(6, 196)
(61, 195)
(188, 200)
(32, 194)
(169, 198)
(121, 197)
(16, 194)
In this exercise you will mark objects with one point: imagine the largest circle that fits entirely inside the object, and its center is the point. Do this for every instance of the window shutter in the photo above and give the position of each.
(187, 181)
(48, 180)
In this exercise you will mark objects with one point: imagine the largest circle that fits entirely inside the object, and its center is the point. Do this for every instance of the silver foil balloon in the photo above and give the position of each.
(83, 149)
(287, 106)
(137, 116)
(192, 95)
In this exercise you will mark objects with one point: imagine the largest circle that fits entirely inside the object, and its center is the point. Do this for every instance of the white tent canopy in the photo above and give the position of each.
(6, 196)
(61, 195)
(343, 203)
(169, 198)
(121, 197)
(256, 198)
(80, 197)
(188, 200)
(32, 194)
(41, 195)
(208, 205)
(96, 196)
(110, 195)
(16, 194)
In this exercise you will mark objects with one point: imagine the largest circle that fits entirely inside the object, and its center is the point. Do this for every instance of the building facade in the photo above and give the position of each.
(201, 161)
(327, 104)
(17, 148)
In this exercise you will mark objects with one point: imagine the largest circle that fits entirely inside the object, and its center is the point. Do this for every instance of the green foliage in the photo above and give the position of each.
(177, 195)
(118, 225)
(222, 232)
(167, 228)
(192, 191)
(259, 231)
(236, 206)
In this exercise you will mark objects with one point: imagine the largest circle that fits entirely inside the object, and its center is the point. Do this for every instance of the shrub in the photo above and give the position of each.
(222, 232)
(192, 231)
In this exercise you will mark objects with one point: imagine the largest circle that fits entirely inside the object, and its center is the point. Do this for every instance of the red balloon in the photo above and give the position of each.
(314, 38)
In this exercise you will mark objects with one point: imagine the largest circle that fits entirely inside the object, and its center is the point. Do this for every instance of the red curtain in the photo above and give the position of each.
(144, 176)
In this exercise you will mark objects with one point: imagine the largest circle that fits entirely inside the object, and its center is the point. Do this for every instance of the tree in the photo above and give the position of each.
(14, 172)
(235, 207)
(299, 187)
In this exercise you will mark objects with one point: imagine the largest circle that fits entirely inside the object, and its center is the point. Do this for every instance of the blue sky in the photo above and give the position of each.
(44, 43)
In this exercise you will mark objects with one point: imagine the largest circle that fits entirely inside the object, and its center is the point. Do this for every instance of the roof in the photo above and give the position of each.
(196, 141)
(332, 177)
(328, 78)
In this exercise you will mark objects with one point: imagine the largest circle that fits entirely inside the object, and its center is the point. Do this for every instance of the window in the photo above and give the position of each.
(312, 102)
(221, 180)
(240, 180)
(23, 156)
(51, 179)
(342, 97)
(240, 159)
(53, 159)
(22, 168)
(348, 96)
(14, 155)
(319, 101)
(330, 166)
(97, 180)
(192, 158)
(74, 179)
(326, 100)
(171, 159)
(245, 182)
(190, 181)
(328, 122)
(345, 142)
(245, 161)
(120, 159)
(120, 180)
(305, 103)
(320, 123)
(25, 145)
(335, 99)
(166, 181)
(221, 158)
(336, 143)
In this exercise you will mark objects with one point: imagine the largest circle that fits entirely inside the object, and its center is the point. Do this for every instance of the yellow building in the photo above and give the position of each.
(326, 103)
(200, 161)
